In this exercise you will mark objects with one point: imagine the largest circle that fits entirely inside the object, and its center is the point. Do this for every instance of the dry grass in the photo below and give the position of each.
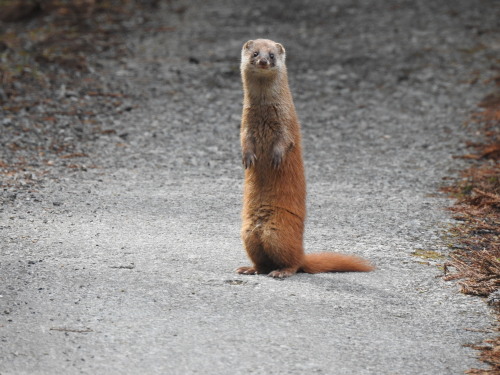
(490, 353)
(476, 260)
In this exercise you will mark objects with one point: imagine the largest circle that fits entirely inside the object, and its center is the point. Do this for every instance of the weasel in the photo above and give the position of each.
(274, 207)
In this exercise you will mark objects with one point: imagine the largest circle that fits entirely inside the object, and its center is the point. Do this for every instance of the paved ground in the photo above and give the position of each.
(125, 264)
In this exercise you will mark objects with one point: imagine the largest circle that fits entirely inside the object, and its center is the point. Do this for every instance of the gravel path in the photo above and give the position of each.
(121, 261)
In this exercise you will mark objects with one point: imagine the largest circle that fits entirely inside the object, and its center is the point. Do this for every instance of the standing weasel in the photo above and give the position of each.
(274, 207)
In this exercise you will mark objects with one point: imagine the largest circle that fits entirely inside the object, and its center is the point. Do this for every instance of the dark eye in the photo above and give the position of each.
(271, 55)
(255, 54)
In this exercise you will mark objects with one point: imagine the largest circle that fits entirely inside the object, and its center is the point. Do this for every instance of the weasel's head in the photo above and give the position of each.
(262, 56)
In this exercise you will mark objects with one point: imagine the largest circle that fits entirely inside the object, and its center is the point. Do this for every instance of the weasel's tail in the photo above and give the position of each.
(335, 262)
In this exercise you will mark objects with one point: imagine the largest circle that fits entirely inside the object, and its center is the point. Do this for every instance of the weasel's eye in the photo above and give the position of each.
(255, 54)
(271, 55)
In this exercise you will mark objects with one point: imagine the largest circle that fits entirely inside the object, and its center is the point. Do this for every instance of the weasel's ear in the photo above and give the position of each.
(280, 47)
(248, 44)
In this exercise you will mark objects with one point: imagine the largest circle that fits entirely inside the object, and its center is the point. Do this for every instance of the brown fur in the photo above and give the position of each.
(274, 206)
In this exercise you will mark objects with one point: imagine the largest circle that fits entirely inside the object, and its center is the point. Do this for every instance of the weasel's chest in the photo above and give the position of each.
(265, 126)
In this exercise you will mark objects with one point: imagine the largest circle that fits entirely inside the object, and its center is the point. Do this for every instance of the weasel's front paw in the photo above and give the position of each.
(249, 159)
(277, 158)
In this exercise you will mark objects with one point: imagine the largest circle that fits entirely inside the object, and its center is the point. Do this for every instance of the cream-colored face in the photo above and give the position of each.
(262, 55)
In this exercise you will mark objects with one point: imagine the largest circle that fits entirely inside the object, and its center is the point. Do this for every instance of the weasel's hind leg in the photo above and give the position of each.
(262, 263)
(283, 244)
(283, 272)
(246, 270)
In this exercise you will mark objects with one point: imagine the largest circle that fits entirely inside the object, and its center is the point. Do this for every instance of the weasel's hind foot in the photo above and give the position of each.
(282, 273)
(246, 271)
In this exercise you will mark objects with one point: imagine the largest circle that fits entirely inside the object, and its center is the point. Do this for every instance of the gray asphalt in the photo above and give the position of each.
(127, 266)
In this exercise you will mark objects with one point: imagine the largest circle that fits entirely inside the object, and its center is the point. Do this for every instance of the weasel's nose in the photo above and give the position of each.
(263, 63)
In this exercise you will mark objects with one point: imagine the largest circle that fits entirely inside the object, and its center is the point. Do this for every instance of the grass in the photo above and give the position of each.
(475, 261)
